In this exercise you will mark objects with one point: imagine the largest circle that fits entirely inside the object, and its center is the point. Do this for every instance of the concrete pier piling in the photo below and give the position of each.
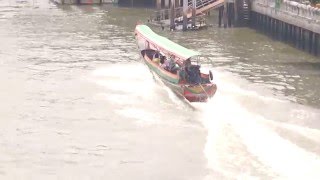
(229, 13)
(294, 23)
(185, 14)
(78, 2)
(194, 6)
(235, 9)
(172, 15)
(166, 4)
(158, 4)
(296, 36)
(225, 11)
(220, 16)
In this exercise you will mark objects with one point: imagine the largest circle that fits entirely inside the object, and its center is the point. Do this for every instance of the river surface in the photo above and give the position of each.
(76, 101)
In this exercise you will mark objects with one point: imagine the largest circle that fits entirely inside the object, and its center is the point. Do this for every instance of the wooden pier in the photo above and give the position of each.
(288, 21)
(231, 12)
(187, 13)
(84, 1)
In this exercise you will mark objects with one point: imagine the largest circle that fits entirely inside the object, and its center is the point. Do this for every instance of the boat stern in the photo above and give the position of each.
(199, 93)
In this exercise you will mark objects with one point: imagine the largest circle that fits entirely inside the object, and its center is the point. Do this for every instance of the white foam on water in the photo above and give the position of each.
(230, 122)
(134, 93)
(142, 117)
(241, 140)
(126, 78)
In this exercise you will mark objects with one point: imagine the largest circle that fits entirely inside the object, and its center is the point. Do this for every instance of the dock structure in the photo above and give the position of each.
(84, 1)
(288, 21)
(188, 12)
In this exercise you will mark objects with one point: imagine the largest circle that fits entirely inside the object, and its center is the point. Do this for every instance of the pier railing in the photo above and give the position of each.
(292, 8)
(298, 9)
(165, 13)
(301, 15)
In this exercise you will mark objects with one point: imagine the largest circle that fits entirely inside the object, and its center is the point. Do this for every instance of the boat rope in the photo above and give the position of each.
(204, 90)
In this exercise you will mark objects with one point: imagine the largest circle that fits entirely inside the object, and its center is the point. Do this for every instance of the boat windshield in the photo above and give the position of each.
(195, 60)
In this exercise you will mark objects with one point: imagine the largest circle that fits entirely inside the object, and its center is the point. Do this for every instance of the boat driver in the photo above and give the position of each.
(192, 72)
(183, 73)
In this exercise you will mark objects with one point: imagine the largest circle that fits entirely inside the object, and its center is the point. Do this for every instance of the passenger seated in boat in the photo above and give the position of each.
(164, 62)
(156, 58)
(171, 65)
(162, 59)
(183, 72)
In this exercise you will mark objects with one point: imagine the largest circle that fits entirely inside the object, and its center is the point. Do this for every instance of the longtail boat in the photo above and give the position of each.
(175, 65)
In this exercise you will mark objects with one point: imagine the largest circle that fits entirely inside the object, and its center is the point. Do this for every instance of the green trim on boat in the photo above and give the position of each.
(165, 43)
(163, 75)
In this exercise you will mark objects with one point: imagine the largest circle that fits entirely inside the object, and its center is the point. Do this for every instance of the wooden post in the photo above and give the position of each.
(166, 4)
(236, 12)
(220, 15)
(316, 44)
(263, 20)
(303, 38)
(225, 15)
(290, 33)
(263, 23)
(267, 24)
(194, 6)
(300, 38)
(229, 14)
(270, 26)
(310, 41)
(177, 3)
(286, 32)
(259, 21)
(280, 30)
(172, 15)
(294, 35)
(185, 14)
(313, 42)
(158, 4)
(274, 28)
(253, 21)
(166, 11)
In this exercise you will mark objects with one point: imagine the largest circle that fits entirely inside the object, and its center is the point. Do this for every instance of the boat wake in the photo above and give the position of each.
(253, 135)
(134, 93)
(250, 132)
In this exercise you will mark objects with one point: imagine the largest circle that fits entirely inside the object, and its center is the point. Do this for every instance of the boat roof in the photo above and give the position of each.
(165, 44)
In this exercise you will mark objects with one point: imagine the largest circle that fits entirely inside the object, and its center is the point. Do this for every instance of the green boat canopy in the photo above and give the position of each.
(165, 44)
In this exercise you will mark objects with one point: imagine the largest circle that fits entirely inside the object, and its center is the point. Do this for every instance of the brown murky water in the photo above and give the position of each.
(77, 102)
